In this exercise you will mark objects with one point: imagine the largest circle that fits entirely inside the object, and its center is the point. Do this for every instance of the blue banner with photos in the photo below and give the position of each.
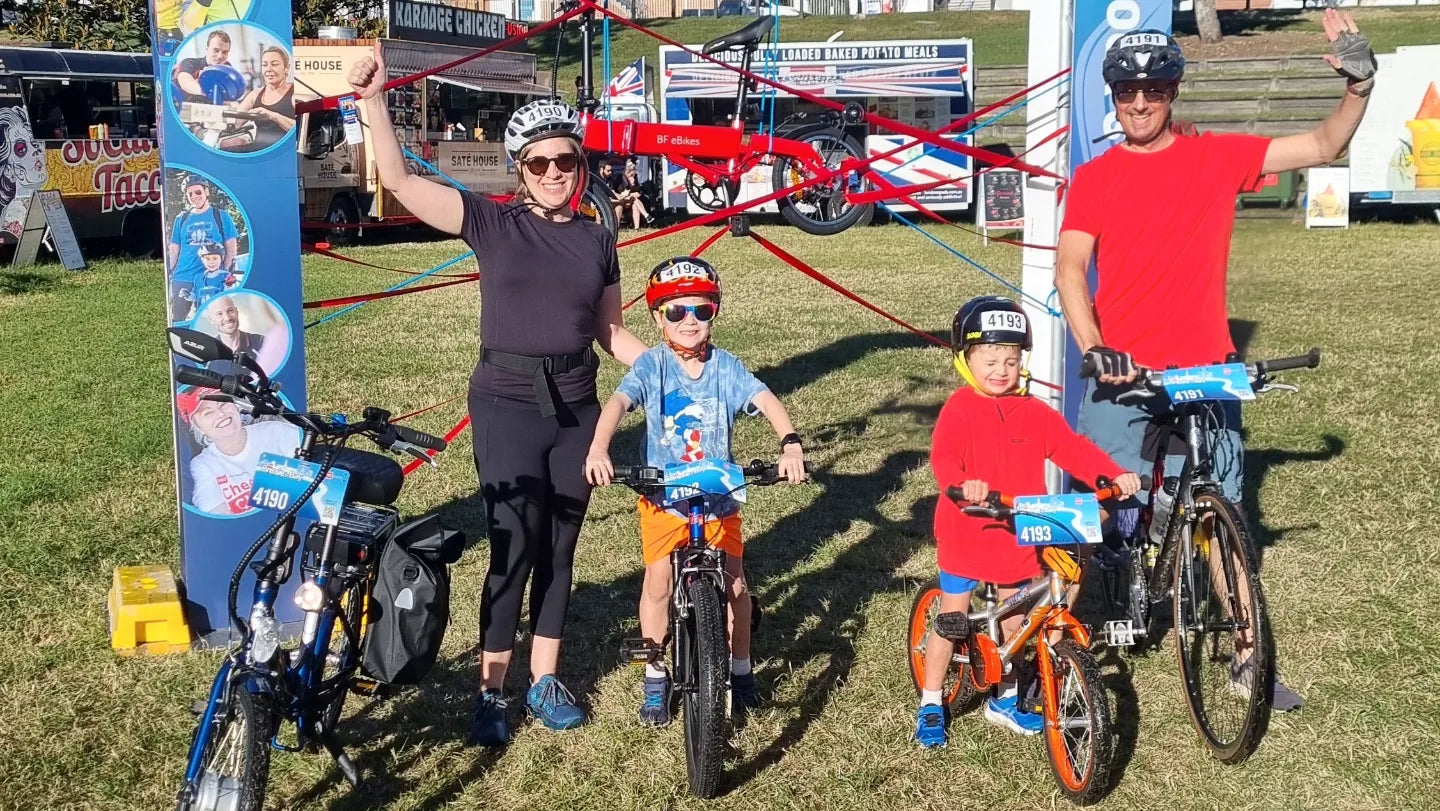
(231, 232)
(1093, 126)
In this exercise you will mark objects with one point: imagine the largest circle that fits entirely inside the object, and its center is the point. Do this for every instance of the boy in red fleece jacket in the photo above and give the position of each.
(991, 435)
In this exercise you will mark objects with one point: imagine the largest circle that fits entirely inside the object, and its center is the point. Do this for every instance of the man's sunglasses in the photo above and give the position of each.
(675, 313)
(1152, 94)
(540, 164)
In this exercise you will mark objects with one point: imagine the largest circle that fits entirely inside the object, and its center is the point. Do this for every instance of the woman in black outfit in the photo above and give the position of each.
(274, 102)
(549, 287)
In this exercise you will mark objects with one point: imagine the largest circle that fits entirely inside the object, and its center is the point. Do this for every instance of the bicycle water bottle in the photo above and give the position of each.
(1160, 510)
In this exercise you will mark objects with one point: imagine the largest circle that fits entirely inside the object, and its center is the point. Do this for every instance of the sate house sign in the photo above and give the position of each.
(430, 22)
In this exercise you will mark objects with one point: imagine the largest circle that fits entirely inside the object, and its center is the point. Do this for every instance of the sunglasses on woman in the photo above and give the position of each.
(540, 164)
(1152, 94)
(675, 313)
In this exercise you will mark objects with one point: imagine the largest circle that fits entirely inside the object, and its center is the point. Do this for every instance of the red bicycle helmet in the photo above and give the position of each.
(681, 276)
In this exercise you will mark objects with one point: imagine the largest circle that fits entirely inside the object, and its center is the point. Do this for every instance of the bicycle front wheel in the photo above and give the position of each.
(705, 704)
(957, 690)
(1222, 631)
(1078, 732)
(596, 207)
(236, 763)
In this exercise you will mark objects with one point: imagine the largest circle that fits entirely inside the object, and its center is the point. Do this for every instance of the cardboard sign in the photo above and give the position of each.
(1327, 197)
(46, 220)
(1003, 199)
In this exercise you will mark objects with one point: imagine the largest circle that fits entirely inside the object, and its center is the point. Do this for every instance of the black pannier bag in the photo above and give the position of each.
(410, 604)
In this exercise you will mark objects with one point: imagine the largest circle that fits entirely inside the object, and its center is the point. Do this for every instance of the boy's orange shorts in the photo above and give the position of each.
(661, 533)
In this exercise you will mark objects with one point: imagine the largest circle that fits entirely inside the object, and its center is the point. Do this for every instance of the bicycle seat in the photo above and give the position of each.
(374, 478)
(746, 37)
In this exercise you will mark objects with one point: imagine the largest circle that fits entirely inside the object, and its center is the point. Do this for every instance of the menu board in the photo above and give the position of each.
(1002, 199)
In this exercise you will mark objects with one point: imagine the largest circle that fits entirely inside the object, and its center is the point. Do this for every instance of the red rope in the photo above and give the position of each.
(828, 282)
(316, 249)
(427, 408)
(449, 437)
(925, 136)
(710, 240)
(337, 302)
(322, 225)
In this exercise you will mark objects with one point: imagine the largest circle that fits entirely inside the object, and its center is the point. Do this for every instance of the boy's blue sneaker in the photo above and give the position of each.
(491, 725)
(742, 691)
(655, 712)
(930, 726)
(552, 704)
(1006, 712)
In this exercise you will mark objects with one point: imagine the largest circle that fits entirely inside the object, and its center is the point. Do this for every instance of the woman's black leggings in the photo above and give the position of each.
(532, 476)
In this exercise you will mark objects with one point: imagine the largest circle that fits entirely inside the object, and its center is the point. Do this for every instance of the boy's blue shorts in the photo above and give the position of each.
(955, 584)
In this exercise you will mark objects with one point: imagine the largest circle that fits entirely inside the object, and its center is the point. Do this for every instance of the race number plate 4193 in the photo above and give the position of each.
(1059, 519)
(279, 480)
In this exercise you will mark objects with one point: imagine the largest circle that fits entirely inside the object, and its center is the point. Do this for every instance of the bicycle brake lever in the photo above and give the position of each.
(415, 451)
(1269, 387)
(1135, 394)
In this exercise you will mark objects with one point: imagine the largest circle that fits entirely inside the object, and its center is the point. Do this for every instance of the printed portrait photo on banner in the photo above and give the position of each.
(232, 87)
(247, 322)
(207, 245)
(221, 447)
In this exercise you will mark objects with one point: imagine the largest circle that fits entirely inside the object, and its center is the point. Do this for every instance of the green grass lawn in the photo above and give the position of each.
(1344, 472)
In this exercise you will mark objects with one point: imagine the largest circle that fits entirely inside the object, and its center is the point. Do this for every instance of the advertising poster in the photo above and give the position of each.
(1327, 197)
(22, 161)
(230, 218)
(1093, 126)
(1396, 149)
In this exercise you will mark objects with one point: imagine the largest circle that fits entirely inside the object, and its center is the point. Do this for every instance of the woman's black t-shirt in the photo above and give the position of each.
(541, 284)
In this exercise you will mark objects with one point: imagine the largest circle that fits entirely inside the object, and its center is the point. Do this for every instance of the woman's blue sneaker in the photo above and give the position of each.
(655, 712)
(930, 726)
(491, 726)
(552, 704)
(1006, 712)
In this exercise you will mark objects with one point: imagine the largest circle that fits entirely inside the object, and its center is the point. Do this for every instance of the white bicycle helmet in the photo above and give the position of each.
(538, 120)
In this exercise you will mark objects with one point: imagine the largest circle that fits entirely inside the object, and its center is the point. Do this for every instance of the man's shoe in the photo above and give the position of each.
(491, 725)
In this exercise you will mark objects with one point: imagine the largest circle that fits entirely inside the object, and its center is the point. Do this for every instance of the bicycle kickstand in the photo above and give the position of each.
(342, 760)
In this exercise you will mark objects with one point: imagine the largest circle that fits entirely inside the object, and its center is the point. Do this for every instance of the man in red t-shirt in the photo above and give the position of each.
(1156, 213)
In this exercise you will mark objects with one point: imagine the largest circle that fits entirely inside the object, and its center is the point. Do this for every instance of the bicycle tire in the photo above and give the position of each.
(1206, 695)
(596, 207)
(251, 716)
(958, 689)
(705, 705)
(354, 600)
(1094, 744)
(821, 195)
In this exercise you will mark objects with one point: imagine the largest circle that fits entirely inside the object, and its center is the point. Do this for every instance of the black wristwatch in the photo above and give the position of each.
(791, 438)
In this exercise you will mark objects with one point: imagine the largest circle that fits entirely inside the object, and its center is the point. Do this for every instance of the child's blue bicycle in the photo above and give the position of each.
(259, 684)
(698, 640)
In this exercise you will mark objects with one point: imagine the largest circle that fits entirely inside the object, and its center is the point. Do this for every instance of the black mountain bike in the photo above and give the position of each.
(260, 683)
(699, 641)
(1207, 565)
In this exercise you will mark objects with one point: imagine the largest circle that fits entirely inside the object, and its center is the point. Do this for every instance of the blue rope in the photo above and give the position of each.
(1043, 305)
(432, 167)
(605, 70)
(413, 279)
(772, 72)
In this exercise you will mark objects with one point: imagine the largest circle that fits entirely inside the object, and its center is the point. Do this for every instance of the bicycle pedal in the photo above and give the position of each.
(364, 687)
(640, 651)
(953, 625)
(1121, 633)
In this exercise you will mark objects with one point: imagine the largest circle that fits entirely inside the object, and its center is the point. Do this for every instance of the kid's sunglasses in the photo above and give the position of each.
(675, 313)
(540, 164)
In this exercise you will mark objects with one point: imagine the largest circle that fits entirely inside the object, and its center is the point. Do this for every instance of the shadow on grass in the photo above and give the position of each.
(22, 282)
(1258, 464)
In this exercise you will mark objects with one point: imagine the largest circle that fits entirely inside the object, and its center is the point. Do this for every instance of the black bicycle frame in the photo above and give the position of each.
(690, 566)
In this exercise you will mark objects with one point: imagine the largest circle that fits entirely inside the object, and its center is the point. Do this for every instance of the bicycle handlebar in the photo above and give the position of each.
(998, 505)
(1148, 379)
(759, 471)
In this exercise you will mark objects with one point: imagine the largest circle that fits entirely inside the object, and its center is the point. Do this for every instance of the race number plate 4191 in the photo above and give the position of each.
(1225, 381)
(279, 480)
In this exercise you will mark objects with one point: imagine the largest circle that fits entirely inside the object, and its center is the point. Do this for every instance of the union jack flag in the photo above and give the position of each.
(628, 82)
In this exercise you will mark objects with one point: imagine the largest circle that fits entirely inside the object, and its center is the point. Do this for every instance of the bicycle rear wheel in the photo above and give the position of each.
(1220, 616)
(236, 764)
(1078, 732)
(596, 207)
(345, 654)
(957, 689)
(822, 209)
(705, 704)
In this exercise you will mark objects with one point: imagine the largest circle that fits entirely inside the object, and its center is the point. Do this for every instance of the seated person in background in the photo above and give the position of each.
(627, 192)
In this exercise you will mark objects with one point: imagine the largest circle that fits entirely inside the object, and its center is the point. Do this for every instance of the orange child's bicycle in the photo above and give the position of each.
(1072, 697)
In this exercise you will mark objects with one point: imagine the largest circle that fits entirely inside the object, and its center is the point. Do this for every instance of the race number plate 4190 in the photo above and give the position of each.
(279, 480)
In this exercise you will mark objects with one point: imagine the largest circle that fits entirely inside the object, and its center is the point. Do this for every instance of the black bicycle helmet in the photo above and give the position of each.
(990, 320)
(1144, 54)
